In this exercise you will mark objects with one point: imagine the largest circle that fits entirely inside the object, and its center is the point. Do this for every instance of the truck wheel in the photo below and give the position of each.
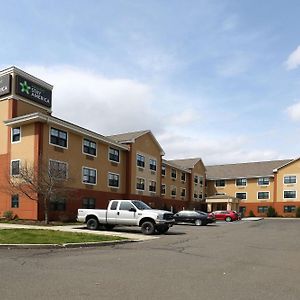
(109, 226)
(162, 229)
(148, 228)
(92, 224)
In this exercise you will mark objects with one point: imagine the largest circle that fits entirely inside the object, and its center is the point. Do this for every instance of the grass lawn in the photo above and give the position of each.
(41, 236)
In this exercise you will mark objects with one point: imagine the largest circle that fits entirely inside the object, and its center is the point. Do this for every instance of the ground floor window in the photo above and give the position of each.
(15, 201)
(262, 209)
(58, 204)
(89, 203)
(242, 210)
(289, 208)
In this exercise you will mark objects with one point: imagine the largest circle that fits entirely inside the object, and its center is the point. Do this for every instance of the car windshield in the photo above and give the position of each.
(140, 205)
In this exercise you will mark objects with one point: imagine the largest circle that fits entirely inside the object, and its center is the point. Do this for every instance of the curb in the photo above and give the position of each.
(64, 246)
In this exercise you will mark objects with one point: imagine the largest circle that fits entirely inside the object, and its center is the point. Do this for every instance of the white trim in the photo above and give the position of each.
(11, 135)
(114, 161)
(84, 138)
(19, 160)
(144, 184)
(163, 165)
(241, 193)
(289, 175)
(59, 146)
(289, 191)
(172, 188)
(119, 180)
(61, 162)
(263, 198)
(84, 167)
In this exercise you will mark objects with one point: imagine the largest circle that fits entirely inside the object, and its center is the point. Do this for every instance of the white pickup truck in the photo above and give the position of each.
(127, 213)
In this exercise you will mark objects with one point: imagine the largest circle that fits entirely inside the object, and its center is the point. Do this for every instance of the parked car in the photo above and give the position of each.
(226, 215)
(195, 217)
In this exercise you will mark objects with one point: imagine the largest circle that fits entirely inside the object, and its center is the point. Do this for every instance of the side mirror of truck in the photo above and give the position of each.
(132, 209)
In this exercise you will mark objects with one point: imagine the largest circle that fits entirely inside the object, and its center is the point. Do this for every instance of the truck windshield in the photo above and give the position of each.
(140, 205)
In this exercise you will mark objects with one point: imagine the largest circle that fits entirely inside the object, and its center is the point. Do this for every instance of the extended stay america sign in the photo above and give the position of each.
(5, 85)
(33, 91)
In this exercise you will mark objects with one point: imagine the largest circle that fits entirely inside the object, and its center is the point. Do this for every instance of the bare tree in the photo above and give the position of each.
(41, 182)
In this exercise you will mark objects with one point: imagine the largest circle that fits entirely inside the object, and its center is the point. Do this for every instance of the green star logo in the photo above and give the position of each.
(25, 88)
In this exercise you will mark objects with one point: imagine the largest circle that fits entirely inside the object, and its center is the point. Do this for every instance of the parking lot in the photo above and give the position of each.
(239, 260)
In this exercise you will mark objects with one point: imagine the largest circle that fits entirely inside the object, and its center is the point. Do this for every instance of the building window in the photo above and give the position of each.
(263, 195)
(89, 147)
(183, 193)
(140, 161)
(15, 167)
(201, 180)
(58, 204)
(113, 180)
(289, 208)
(140, 184)
(242, 210)
(113, 154)
(262, 209)
(89, 203)
(58, 137)
(289, 194)
(195, 179)
(220, 183)
(263, 181)
(173, 173)
(289, 179)
(183, 176)
(152, 164)
(15, 134)
(152, 186)
(200, 196)
(195, 196)
(89, 175)
(57, 169)
(242, 196)
(15, 201)
(173, 190)
(163, 170)
(163, 189)
(241, 182)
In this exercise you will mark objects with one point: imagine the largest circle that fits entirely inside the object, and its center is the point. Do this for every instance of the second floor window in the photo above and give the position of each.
(16, 134)
(220, 183)
(263, 195)
(140, 184)
(173, 191)
(113, 180)
(263, 181)
(89, 175)
(15, 167)
(152, 186)
(183, 176)
(289, 179)
(173, 173)
(289, 194)
(140, 160)
(241, 182)
(152, 164)
(89, 147)
(242, 196)
(59, 137)
(163, 170)
(183, 193)
(58, 169)
(196, 179)
(113, 155)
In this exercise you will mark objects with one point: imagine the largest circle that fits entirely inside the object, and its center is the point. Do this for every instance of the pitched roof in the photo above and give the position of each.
(245, 170)
(130, 137)
(188, 163)
(172, 164)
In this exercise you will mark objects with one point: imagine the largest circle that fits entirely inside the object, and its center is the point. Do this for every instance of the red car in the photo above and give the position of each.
(226, 215)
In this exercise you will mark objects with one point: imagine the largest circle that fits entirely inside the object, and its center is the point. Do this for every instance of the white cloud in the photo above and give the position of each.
(293, 60)
(294, 111)
(183, 118)
(105, 105)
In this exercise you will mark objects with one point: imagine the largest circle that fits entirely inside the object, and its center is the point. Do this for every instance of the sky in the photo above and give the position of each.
(216, 79)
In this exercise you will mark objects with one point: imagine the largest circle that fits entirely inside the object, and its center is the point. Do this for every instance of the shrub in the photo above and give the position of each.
(298, 212)
(8, 215)
(251, 213)
(271, 212)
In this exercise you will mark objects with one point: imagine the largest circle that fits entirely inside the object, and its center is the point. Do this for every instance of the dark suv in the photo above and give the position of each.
(195, 217)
